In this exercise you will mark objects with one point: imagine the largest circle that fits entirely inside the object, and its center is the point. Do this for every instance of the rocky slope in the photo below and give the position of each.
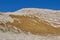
(33, 20)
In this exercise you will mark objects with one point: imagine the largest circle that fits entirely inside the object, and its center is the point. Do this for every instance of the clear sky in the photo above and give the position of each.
(13, 5)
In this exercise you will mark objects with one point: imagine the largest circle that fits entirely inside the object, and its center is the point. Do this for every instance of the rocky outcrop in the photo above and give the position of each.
(33, 20)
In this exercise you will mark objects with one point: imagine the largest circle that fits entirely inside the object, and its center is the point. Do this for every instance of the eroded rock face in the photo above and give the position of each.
(33, 20)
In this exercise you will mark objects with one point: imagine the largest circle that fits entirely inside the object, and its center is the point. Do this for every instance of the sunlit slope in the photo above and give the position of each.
(34, 25)
(35, 21)
(29, 24)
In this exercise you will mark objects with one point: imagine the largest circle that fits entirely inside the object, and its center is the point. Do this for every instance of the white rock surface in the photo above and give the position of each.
(23, 36)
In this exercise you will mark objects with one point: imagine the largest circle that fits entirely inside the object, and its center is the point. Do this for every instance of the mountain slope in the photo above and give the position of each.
(33, 20)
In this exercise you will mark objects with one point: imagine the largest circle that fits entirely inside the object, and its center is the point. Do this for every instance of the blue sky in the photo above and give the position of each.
(13, 5)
